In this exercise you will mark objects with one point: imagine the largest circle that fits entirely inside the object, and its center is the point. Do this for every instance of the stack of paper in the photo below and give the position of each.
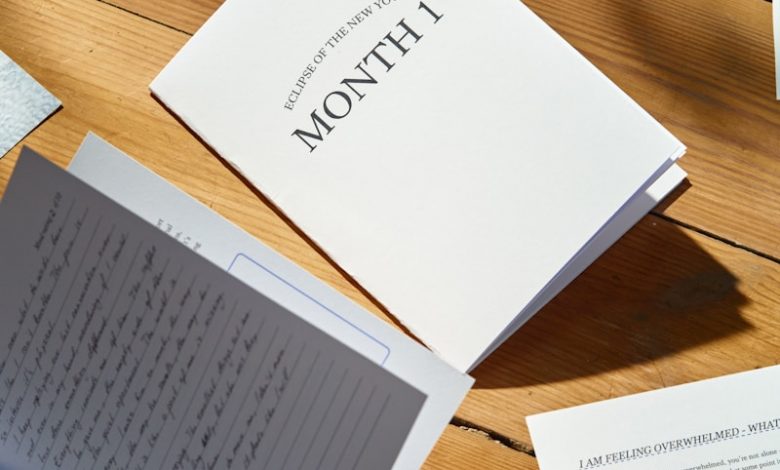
(459, 159)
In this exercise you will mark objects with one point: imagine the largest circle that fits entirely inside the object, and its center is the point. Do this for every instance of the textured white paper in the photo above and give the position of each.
(24, 103)
(728, 423)
(456, 187)
(195, 225)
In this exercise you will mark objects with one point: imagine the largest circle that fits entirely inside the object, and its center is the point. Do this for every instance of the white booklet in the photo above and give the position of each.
(458, 159)
(121, 178)
(124, 349)
(727, 423)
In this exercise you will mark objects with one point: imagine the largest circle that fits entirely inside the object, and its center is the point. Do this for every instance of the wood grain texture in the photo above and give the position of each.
(186, 15)
(459, 448)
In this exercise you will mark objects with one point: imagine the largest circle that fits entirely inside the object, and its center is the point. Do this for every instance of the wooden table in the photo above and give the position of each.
(693, 291)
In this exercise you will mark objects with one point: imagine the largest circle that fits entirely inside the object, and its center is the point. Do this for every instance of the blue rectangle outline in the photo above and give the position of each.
(317, 302)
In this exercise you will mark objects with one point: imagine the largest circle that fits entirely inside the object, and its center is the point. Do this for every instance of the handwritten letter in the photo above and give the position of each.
(122, 349)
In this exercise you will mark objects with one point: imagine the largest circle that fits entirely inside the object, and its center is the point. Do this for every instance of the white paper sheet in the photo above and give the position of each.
(728, 423)
(24, 104)
(475, 159)
(122, 349)
(776, 22)
(146, 194)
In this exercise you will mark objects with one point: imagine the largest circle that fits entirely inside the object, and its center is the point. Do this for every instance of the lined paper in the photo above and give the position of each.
(124, 180)
(122, 349)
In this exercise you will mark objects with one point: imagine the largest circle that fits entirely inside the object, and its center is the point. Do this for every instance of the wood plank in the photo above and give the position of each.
(184, 15)
(704, 68)
(459, 448)
(664, 306)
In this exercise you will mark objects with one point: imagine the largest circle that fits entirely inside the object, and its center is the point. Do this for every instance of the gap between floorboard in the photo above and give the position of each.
(121, 8)
(488, 433)
(716, 237)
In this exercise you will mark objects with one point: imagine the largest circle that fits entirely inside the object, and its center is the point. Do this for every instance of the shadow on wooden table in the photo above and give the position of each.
(655, 293)
(711, 48)
(712, 67)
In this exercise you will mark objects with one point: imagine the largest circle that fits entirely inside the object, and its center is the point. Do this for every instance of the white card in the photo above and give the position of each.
(776, 22)
(728, 423)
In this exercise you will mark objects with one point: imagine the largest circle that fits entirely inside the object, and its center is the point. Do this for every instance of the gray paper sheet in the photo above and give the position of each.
(24, 104)
(122, 348)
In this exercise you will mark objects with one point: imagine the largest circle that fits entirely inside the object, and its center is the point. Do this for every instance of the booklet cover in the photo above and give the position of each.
(453, 156)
